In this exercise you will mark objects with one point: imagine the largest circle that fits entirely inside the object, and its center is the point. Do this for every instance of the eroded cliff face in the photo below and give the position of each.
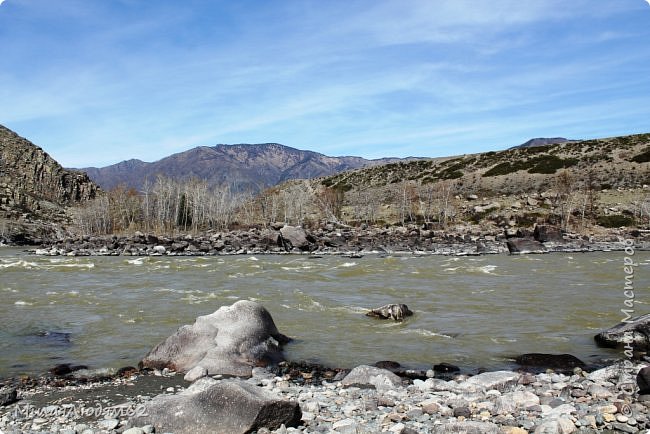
(33, 185)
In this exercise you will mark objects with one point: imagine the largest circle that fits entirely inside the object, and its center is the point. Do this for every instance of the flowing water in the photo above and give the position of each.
(470, 311)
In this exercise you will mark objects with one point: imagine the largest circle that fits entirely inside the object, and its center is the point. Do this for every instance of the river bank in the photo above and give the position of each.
(491, 402)
(332, 239)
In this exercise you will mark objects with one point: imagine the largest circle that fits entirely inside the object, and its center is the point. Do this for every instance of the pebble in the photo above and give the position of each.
(487, 402)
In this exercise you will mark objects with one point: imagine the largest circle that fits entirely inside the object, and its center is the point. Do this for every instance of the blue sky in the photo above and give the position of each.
(95, 82)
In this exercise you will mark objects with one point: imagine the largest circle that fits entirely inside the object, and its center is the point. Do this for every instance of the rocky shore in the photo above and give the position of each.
(366, 400)
(333, 239)
(226, 374)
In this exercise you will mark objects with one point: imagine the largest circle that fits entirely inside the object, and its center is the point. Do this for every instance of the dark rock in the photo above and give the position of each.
(445, 367)
(395, 312)
(643, 381)
(229, 406)
(61, 370)
(8, 396)
(126, 371)
(553, 361)
(524, 245)
(544, 233)
(387, 364)
(230, 341)
(636, 331)
(462, 411)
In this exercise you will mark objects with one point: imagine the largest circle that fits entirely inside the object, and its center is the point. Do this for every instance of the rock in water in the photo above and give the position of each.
(229, 406)
(554, 361)
(524, 245)
(635, 330)
(230, 341)
(395, 312)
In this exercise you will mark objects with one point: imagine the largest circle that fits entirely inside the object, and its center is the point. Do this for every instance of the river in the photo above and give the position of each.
(475, 311)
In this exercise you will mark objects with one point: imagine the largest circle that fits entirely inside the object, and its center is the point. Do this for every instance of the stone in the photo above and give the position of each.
(467, 427)
(230, 341)
(395, 312)
(160, 250)
(108, 424)
(195, 373)
(134, 430)
(294, 237)
(510, 402)
(545, 234)
(636, 331)
(8, 395)
(446, 368)
(228, 406)
(565, 362)
(499, 380)
(524, 246)
(643, 381)
(561, 425)
(369, 376)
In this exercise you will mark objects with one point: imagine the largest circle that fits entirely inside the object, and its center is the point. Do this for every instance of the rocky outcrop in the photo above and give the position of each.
(635, 331)
(230, 341)
(210, 406)
(294, 237)
(396, 312)
(33, 183)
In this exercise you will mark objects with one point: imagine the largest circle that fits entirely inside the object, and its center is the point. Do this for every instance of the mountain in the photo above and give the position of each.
(542, 141)
(242, 166)
(33, 184)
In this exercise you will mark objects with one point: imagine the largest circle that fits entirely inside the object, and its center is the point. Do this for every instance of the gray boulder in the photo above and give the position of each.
(544, 234)
(365, 376)
(525, 245)
(229, 406)
(499, 380)
(230, 341)
(8, 395)
(637, 330)
(294, 237)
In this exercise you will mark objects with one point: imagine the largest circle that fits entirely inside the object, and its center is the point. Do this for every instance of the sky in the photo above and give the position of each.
(96, 82)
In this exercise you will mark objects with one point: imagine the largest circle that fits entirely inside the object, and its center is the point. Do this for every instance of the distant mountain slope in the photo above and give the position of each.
(33, 183)
(243, 166)
(609, 162)
(542, 141)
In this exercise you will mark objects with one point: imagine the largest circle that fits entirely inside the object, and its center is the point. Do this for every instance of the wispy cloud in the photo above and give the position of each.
(130, 79)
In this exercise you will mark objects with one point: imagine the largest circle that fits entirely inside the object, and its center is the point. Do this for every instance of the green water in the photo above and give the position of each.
(471, 311)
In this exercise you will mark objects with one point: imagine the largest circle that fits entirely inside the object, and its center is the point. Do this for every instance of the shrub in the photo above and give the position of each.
(614, 221)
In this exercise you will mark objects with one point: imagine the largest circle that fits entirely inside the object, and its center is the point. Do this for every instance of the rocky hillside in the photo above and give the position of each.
(242, 167)
(541, 141)
(576, 185)
(33, 186)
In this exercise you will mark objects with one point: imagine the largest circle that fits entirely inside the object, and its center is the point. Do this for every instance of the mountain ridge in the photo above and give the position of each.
(242, 166)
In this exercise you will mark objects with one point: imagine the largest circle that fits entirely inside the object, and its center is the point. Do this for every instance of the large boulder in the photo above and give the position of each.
(525, 245)
(635, 330)
(210, 406)
(230, 341)
(294, 237)
(643, 381)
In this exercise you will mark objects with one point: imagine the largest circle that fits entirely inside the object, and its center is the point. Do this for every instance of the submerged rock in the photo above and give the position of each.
(395, 312)
(635, 331)
(229, 406)
(230, 341)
